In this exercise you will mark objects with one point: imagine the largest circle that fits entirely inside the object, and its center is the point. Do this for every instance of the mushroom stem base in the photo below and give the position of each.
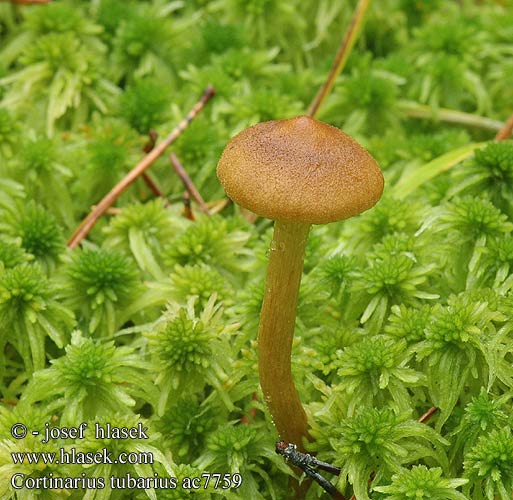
(276, 330)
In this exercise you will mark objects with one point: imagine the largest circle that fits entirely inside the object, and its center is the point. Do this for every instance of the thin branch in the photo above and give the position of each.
(153, 187)
(342, 55)
(428, 415)
(148, 147)
(506, 130)
(416, 110)
(111, 210)
(152, 140)
(188, 184)
(88, 223)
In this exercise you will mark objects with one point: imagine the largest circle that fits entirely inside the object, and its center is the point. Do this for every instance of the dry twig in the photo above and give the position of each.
(88, 223)
(188, 184)
(153, 187)
(428, 415)
(152, 140)
(341, 57)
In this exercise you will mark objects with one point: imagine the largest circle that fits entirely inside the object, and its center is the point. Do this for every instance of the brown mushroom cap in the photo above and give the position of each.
(299, 170)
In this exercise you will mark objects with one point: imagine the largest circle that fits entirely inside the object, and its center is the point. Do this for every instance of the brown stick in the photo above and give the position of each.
(152, 140)
(428, 415)
(88, 223)
(341, 56)
(188, 184)
(112, 210)
(506, 130)
(153, 186)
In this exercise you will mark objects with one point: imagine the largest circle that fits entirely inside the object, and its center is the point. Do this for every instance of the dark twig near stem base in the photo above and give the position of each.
(188, 184)
(88, 223)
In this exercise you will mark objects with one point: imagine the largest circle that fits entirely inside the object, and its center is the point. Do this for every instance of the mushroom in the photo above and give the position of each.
(298, 172)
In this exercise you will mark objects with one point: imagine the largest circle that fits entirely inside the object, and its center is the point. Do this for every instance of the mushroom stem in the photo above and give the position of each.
(276, 330)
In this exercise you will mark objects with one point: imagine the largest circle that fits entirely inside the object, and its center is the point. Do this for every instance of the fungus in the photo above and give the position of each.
(297, 172)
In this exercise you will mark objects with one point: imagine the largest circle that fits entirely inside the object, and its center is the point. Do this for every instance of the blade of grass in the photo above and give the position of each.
(419, 176)
(430, 170)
